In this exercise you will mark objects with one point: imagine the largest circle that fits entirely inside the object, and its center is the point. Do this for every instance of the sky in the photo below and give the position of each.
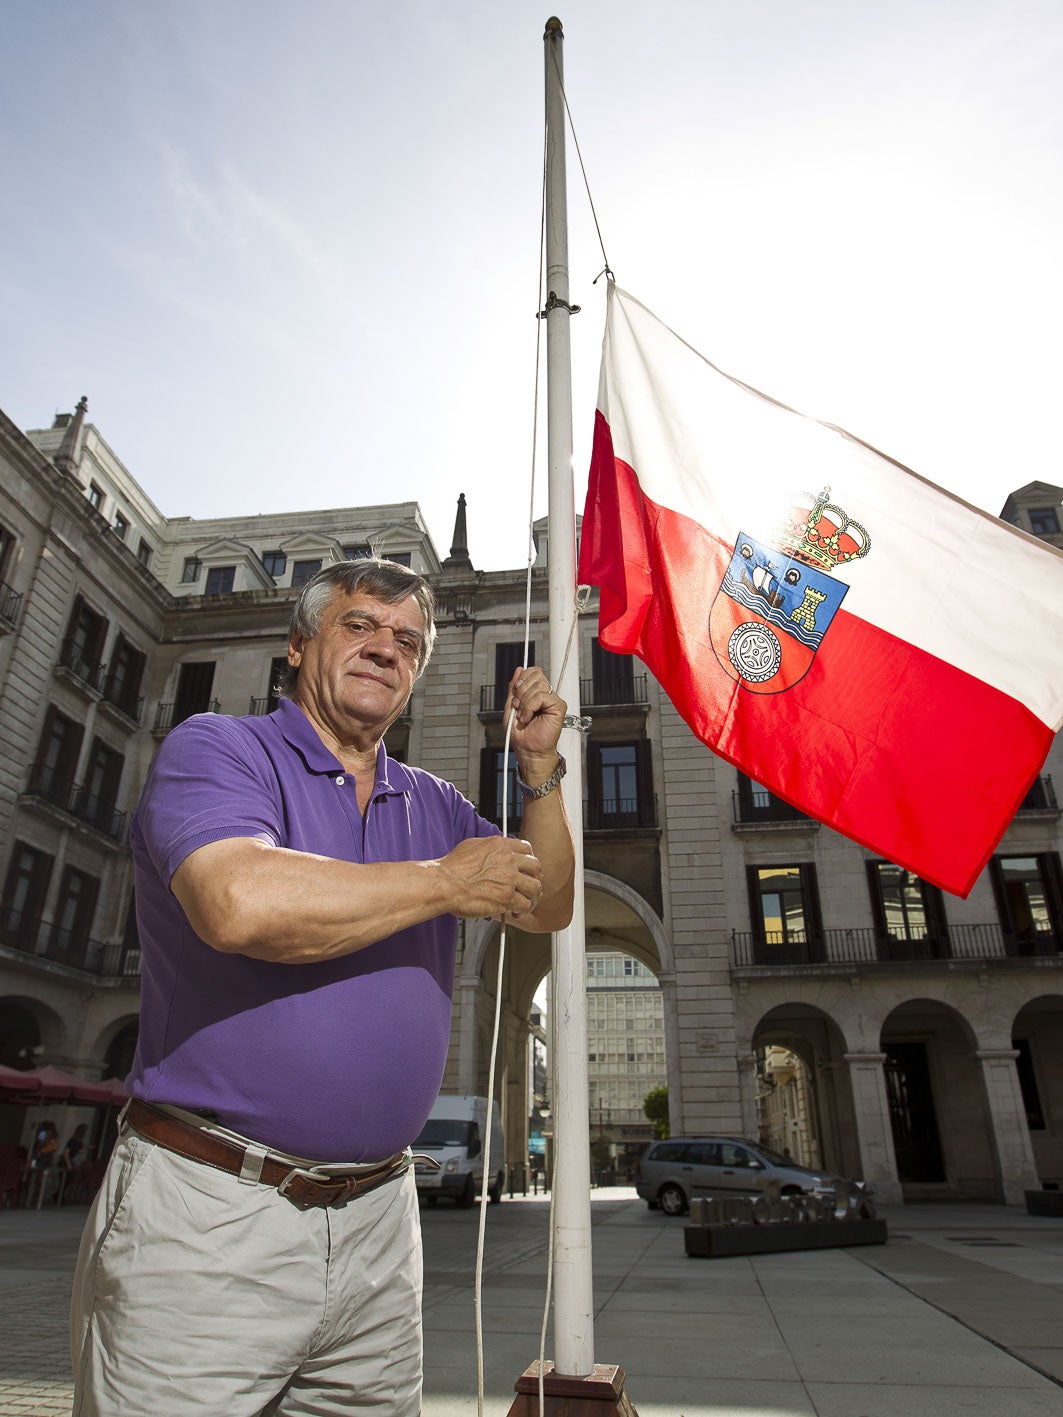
(290, 251)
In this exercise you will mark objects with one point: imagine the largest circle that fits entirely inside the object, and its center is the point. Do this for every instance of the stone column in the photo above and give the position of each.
(1008, 1133)
(874, 1135)
(747, 1090)
(468, 1032)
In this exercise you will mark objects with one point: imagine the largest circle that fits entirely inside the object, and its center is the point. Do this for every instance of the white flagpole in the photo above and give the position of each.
(573, 1279)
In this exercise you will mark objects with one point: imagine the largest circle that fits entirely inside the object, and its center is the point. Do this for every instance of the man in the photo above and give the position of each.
(255, 1247)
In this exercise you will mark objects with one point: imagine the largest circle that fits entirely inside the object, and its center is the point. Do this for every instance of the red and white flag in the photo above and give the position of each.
(875, 651)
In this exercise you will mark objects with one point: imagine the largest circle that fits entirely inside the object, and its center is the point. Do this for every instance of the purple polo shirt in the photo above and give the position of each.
(337, 1060)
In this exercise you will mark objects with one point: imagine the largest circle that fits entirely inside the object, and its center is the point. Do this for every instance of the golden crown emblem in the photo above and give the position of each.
(821, 534)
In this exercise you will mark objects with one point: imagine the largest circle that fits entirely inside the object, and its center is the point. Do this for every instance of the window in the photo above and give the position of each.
(756, 803)
(784, 906)
(1029, 892)
(190, 570)
(83, 646)
(400, 558)
(1031, 1096)
(122, 685)
(101, 785)
(1044, 521)
(24, 891)
(121, 525)
(75, 906)
(276, 667)
(195, 679)
(57, 756)
(908, 913)
(275, 562)
(360, 552)
(491, 782)
(620, 786)
(508, 658)
(144, 553)
(220, 580)
(96, 495)
(7, 543)
(613, 676)
(303, 571)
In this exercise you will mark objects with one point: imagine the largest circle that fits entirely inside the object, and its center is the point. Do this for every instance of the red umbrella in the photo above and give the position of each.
(56, 1086)
(16, 1086)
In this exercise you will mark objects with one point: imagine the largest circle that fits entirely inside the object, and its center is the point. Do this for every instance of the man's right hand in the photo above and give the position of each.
(492, 876)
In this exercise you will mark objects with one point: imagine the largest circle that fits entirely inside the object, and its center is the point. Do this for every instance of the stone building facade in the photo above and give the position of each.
(926, 1030)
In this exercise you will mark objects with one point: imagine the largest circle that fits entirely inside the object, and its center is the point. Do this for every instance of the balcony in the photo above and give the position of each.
(260, 707)
(75, 800)
(1041, 798)
(619, 693)
(625, 814)
(754, 806)
(10, 602)
(118, 695)
(168, 716)
(85, 672)
(45, 941)
(869, 947)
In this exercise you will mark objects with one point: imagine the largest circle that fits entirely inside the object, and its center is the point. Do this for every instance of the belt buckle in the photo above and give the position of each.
(300, 1173)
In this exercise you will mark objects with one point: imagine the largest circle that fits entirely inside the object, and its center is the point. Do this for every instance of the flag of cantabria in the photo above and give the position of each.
(875, 651)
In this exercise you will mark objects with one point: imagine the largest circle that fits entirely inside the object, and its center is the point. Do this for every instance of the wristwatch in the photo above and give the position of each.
(532, 794)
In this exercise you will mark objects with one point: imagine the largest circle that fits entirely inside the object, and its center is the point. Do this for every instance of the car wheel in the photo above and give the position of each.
(672, 1200)
(468, 1195)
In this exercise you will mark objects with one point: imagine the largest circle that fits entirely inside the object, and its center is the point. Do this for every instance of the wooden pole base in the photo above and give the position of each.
(597, 1395)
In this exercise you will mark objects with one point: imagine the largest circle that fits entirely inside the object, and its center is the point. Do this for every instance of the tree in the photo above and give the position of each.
(655, 1106)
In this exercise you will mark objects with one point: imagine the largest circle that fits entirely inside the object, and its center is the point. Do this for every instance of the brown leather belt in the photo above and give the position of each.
(305, 1187)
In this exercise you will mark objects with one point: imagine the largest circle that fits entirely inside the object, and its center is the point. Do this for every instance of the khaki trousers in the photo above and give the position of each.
(196, 1293)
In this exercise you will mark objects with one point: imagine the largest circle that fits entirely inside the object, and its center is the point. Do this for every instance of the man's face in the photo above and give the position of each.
(359, 669)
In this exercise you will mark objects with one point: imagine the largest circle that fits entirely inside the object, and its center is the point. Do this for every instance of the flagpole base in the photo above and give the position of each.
(597, 1395)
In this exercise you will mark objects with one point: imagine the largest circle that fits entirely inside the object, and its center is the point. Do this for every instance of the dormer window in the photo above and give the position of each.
(220, 580)
(275, 563)
(304, 571)
(1044, 521)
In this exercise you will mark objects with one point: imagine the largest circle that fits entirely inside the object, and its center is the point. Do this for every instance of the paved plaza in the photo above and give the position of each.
(959, 1315)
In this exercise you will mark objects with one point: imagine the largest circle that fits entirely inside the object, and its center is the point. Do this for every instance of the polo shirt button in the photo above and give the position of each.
(340, 781)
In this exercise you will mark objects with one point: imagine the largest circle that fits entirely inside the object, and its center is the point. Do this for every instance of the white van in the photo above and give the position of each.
(454, 1136)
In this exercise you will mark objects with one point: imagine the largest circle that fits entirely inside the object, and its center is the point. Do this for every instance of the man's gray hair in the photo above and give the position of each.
(386, 581)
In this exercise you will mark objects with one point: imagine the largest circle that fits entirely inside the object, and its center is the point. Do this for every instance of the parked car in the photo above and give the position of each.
(672, 1173)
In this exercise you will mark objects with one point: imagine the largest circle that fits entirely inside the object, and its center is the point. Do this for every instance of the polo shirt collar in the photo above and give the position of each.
(301, 735)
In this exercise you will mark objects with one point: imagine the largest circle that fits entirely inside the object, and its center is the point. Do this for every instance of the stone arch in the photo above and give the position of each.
(616, 917)
(25, 1014)
(814, 1036)
(1037, 1040)
(939, 1111)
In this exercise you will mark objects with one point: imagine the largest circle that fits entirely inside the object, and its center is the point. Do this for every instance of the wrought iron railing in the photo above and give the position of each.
(613, 693)
(117, 692)
(168, 716)
(1041, 797)
(623, 814)
(72, 656)
(10, 600)
(76, 800)
(43, 940)
(760, 805)
(863, 945)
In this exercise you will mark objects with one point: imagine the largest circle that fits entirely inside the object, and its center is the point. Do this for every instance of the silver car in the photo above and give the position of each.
(672, 1173)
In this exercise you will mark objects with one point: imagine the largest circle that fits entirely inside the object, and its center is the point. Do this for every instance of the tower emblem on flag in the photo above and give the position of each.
(776, 602)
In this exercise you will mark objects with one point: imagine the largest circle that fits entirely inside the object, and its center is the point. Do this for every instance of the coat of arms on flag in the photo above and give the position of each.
(775, 602)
